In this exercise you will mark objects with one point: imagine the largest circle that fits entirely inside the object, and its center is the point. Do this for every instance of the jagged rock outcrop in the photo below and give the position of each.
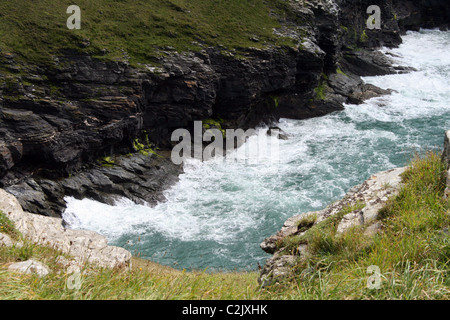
(85, 246)
(368, 198)
(416, 14)
(57, 121)
(141, 178)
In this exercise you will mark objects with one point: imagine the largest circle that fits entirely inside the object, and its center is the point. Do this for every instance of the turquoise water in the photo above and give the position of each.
(219, 212)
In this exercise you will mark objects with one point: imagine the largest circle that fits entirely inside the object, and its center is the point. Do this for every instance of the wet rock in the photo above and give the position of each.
(368, 63)
(277, 132)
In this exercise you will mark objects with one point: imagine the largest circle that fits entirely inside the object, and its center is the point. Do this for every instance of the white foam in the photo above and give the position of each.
(230, 204)
(210, 202)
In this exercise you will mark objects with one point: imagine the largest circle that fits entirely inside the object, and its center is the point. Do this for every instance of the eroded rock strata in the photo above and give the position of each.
(61, 124)
(83, 246)
(364, 203)
(367, 199)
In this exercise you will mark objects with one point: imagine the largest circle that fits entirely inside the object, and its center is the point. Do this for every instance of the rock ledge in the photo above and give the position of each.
(85, 246)
(371, 195)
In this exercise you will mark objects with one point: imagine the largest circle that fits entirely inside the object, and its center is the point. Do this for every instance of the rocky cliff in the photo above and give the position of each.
(359, 211)
(360, 207)
(86, 126)
(82, 245)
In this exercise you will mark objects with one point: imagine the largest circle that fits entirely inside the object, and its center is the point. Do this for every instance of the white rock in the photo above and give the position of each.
(30, 267)
(5, 240)
(84, 245)
(352, 219)
(374, 192)
(373, 229)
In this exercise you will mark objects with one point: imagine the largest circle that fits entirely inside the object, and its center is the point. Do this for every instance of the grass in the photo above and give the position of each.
(138, 283)
(145, 280)
(7, 226)
(339, 71)
(321, 237)
(320, 90)
(412, 253)
(138, 30)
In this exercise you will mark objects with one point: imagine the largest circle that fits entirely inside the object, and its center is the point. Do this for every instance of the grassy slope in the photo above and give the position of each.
(37, 29)
(412, 252)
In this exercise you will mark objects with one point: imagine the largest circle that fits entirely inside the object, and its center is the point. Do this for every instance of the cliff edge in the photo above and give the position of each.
(71, 101)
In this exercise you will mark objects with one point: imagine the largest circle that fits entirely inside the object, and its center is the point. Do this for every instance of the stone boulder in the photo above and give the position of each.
(30, 267)
(372, 195)
(84, 245)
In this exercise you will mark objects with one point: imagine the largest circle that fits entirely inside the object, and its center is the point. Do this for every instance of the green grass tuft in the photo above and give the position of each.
(412, 253)
(138, 30)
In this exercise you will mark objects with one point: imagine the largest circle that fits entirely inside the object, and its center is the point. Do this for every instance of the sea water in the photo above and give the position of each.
(218, 213)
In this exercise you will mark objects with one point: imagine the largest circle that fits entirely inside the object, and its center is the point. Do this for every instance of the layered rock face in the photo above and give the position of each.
(57, 121)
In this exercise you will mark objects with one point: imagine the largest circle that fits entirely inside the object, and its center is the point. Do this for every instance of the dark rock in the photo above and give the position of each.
(32, 197)
(278, 132)
(367, 63)
(353, 88)
(414, 14)
(137, 177)
(80, 109)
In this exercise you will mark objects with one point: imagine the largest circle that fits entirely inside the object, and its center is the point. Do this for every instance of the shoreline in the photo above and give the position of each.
(81, 187)
(99, 166)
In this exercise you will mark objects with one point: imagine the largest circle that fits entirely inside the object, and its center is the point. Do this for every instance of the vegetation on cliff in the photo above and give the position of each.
(136, 30)
(412, 254)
